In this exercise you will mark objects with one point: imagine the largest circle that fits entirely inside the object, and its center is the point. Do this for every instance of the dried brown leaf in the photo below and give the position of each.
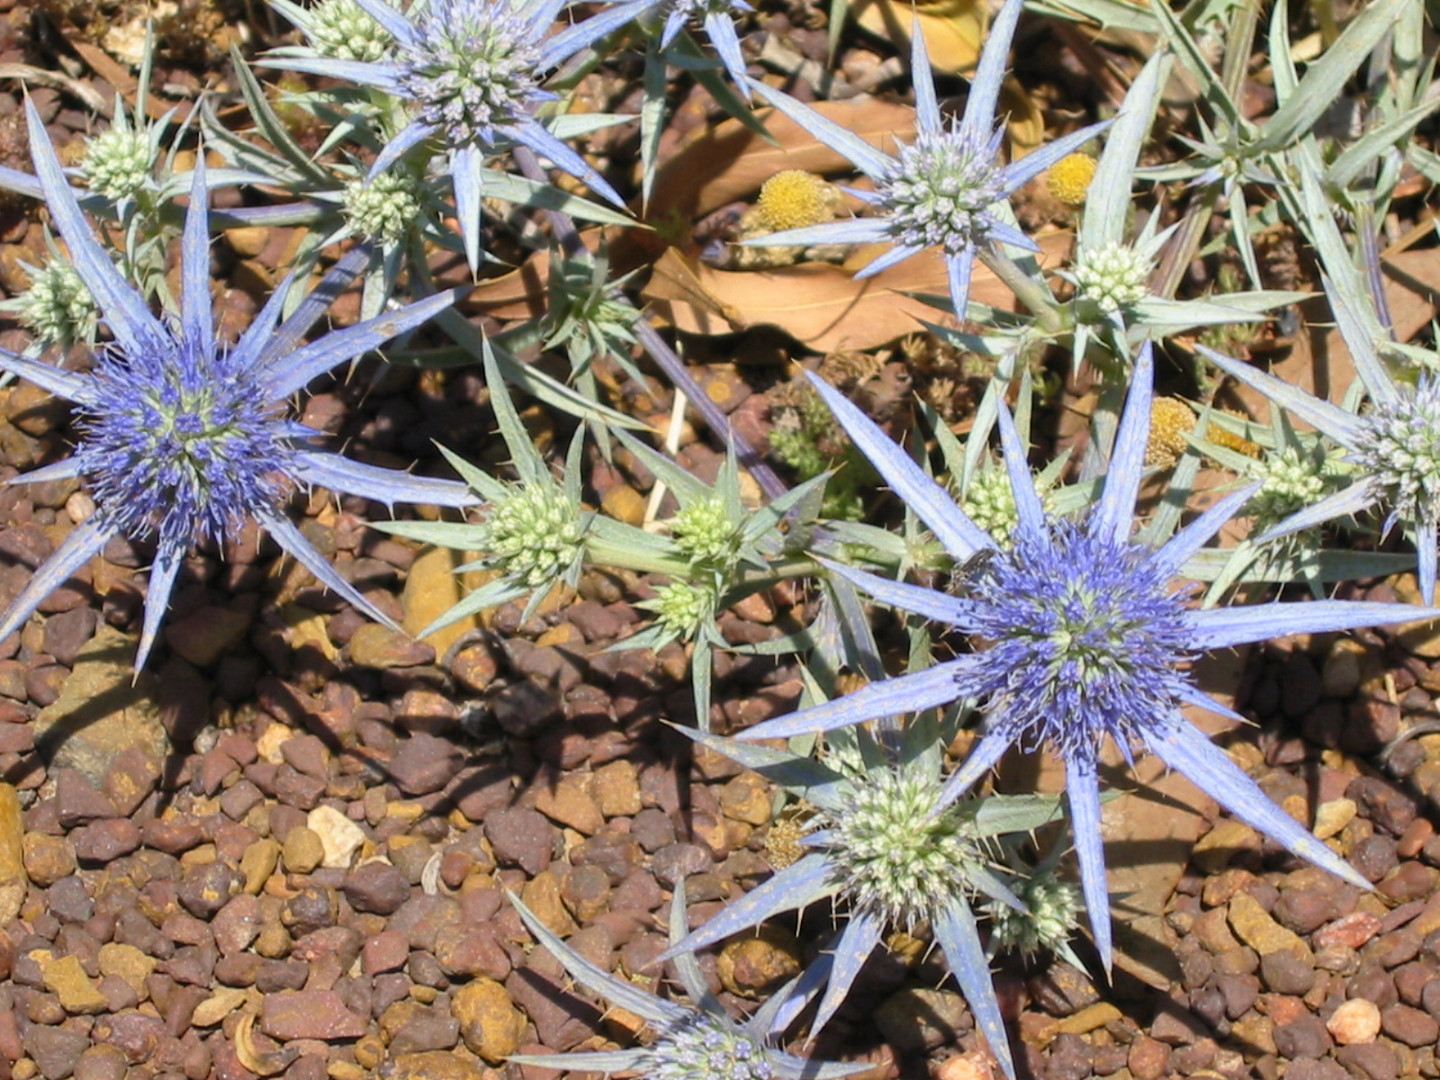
(822, 306)
(730, 161)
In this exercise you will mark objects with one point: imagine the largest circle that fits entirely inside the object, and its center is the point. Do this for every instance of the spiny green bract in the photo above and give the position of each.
(896, 857)
(533, 535)
(118, 163)
(703, 531)
(1053, 915)
(1293, 478)
(1113, 277)
(990, 503)
(57, 308)
(342, 30)
(384, 208)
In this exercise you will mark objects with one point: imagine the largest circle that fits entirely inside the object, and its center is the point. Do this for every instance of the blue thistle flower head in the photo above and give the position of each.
(1082, 634)
(695, 1043)
(937, 191)
(184, 438)
(472, 69)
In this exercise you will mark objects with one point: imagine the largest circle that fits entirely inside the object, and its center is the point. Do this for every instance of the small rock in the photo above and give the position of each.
(430, 1065)
(1304, 1036)
(302, 851)
(66, 979)
(15, 856)
(1331, 817)
(377, 646)
(569, 802)
(490, 1023)
(309, 1014)
(1409, 1026)
(1369, 1061)
(55, 1050)
(46, 860)
(521, 837)
(103, 842)
(1254, 926)
(1287, 972)
(425, 763)
(916, 1021)
(753, 966)
(218, 1006)
(376, 887)
(1355, 1021)
(258, 863)
(339, 837)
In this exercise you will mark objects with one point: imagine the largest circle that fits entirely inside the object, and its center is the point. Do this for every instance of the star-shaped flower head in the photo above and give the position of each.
(183, 437)
(939, 189)
(1085, 636)
(473, 70)
(1394, 451)
(880, 847)
(698, 1043)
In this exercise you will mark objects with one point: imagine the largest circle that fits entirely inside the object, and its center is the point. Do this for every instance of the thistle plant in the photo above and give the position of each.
(941, 189)
(696, 1043)
(182, 438)
(1086, 639)
(339, 29)
(472, 71)
(882, 848)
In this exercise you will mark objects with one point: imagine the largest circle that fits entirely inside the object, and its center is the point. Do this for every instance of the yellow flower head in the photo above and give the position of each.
(794, 199)
(1170, 421)
(1070, 178)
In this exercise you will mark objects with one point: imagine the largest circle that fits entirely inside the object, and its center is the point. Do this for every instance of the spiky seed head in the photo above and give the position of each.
(1069, 178)
(1113, 277)
(342, 29)
(794, 199)
(1054, 907)
(705, 1047)
(384, 208)
(180, 444)
(1398, 444)
(57, 307)
(1292, 479)
(118, 163)
(533, 535)
(472, 67)
(1170, 421)
(1085, 638)
(892, 856)
(704, 531)
(938, 189)
(682, 606)
(990, 503)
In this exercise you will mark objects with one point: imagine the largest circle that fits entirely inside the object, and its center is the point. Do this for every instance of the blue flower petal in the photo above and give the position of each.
(960, 536)
(958, 936)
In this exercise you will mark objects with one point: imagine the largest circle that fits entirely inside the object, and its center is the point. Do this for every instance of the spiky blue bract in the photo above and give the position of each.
(473, 69)
(699, 1043)
(940, 189)
(1082, 636)
(183, 438)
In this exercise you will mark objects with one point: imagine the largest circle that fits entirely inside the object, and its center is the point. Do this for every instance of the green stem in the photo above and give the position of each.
(1027, 290)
